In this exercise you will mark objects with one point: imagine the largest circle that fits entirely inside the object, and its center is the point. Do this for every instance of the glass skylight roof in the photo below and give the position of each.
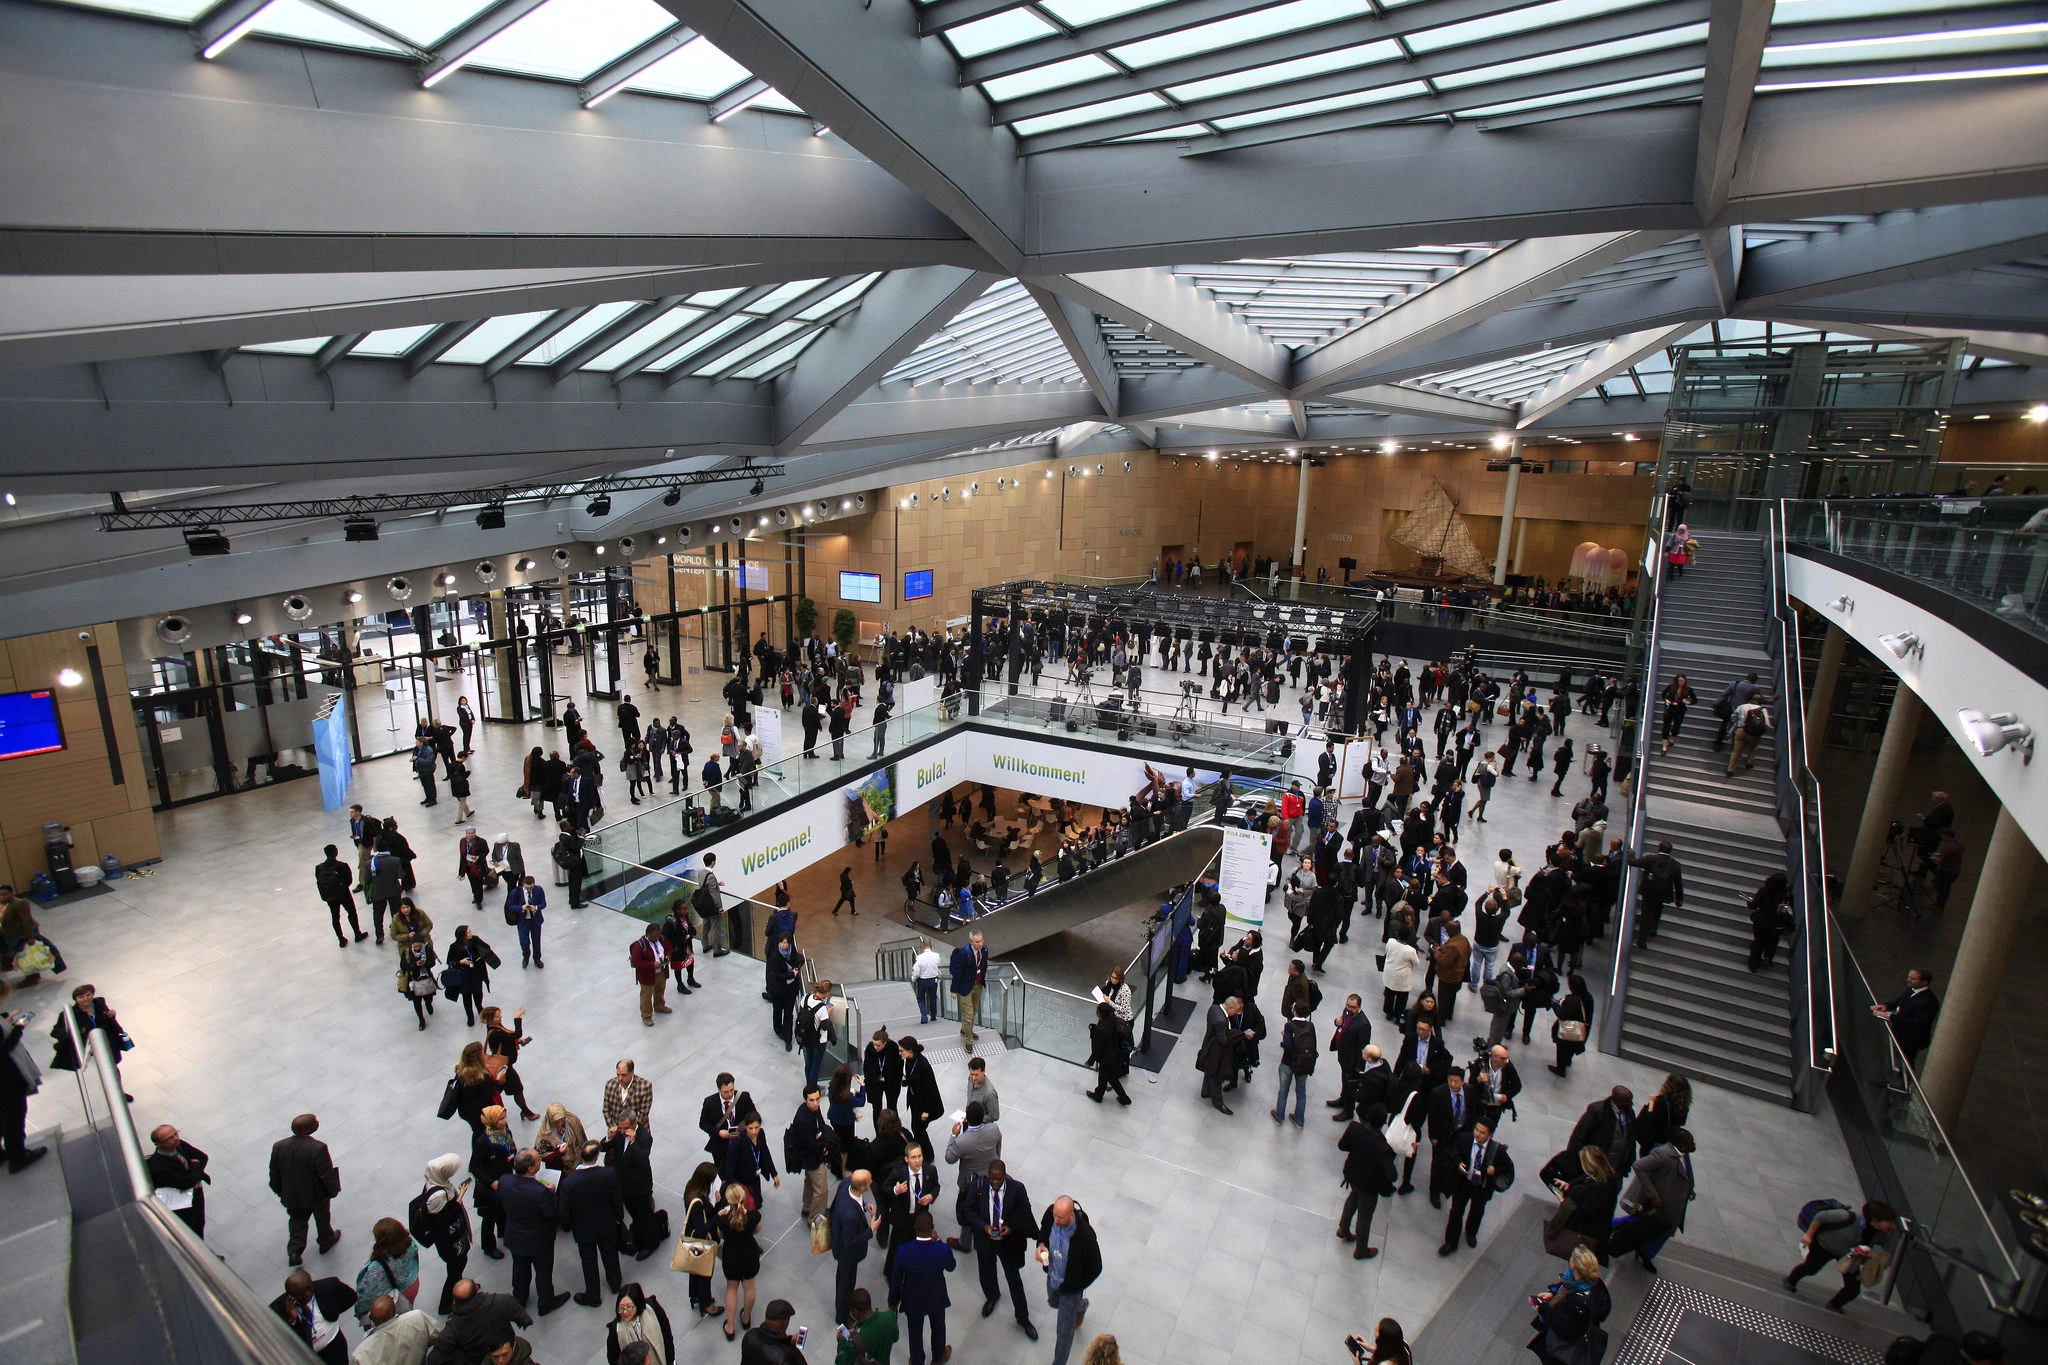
(1003, 336)
(745, 333)
(1307, 300)
(1172, 70)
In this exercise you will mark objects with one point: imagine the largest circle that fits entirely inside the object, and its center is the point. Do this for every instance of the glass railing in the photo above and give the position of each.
(663, 832)
(1466, 611)
(1051, 1021)
(1265, 738)
(1962, 1256)
(1989, 552)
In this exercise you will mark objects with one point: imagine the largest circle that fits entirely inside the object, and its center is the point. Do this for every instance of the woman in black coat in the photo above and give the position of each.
(491, 1150)
(920, 1092)
(747, 1158)
(640, 1317)
(1573, 1006)
(1107, 1054)
(473, 957)
(701, 1223)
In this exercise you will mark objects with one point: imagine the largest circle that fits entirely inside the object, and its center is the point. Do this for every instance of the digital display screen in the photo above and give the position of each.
(917, 583)
(754, 577)
(860, 587)
(29, 724)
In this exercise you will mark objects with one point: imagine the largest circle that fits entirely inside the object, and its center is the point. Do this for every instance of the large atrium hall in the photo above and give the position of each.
(1402, 638)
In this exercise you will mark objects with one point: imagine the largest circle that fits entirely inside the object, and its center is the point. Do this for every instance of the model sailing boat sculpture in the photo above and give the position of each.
(1436, 533)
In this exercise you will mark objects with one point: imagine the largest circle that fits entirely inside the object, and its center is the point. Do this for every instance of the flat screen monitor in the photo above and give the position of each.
(917, 583)
(29, 724)
(860, 587)
(754, 578)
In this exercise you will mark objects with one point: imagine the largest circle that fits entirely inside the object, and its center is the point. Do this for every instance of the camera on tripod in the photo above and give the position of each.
(1189, 689)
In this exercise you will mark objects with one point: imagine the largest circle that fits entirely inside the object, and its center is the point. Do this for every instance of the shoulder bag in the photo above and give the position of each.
(693, 1255)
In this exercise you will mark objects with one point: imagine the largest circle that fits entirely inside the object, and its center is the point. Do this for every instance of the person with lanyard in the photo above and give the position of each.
(313, 1309)
(747, 1158)
(1072, 1258)
(525, 910)
(177, 1169)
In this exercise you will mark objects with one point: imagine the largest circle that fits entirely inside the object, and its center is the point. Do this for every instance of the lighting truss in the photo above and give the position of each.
(179, 518)
(1346, 625)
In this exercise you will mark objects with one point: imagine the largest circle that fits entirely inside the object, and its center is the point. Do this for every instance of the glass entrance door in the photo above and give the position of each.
(188, 756)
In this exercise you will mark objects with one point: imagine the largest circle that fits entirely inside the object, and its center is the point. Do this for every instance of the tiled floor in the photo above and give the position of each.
(1216, 1231)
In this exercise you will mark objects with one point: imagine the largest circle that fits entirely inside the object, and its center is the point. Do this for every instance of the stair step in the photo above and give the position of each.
(1764, 992)
(1709, 1052)
(1698, 1068)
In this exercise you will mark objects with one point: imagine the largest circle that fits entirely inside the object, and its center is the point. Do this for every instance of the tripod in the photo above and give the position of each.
(1184, 716)
(1899, 884)
(1084, 688)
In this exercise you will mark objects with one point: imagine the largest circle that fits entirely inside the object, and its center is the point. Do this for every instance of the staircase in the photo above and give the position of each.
(1692, 1004)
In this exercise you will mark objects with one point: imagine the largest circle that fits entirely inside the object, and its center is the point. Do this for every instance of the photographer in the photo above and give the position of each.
(1388, 1346)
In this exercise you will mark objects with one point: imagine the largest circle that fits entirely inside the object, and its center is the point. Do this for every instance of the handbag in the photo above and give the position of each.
(1563, 1242)
(450, 1096)
(694, 1256)
(1571, 1031)
(821, 1234)
(495, 1066)
(421, 986)
(35, 956)
(1402, 1138)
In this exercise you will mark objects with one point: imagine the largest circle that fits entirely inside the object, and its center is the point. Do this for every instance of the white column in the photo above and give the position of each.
(1301, 516)
(1887, 784)
(1507, 513)
(1823, 701)
(1998, 911)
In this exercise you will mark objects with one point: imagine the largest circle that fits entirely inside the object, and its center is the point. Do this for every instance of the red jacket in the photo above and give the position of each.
(1291, 806)
(650, 960)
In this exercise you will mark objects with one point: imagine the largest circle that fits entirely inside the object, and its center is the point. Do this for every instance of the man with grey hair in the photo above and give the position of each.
(1221, 1043)
(395, 1338)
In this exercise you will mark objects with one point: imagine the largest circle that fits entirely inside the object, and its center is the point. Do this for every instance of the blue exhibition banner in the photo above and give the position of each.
(331, 750)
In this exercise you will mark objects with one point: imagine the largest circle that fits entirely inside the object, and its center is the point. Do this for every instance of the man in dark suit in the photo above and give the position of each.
(909, 1187)
(855, 1215)
(918, 1283)
(530, 1228)
(1217, 1059)
(1370, 1171)
(474, 1325)
(1476, 1161)
(315, 1310)
(1452, 1110)
(1425, 1047)
(1495, 1078)
(590, 1206)
(303, 1177)
(1348, 1040)
(721, 1116)
(627, 1149)
(1609, 1124)
(969, 969)
(1375, 1083)
(1911, 1016)
(999, 1212)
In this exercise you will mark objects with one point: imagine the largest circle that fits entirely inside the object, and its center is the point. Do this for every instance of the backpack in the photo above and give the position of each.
(704, 900)
(1754, 723)
(1491, 996)
(1298, 1048)
(807, 1031)
(419, 1222)
(1814, 1208)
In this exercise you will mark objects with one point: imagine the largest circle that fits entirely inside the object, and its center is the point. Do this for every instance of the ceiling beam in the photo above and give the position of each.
(1172, 310)
(1516, 274)
(1610, 360)
(165, 423)
(211, 168)
(1081, 335)
(896, 314)
(1979, 300)
(860, 71)
(438, 343)
(621, 72)
(1897, 247)
(455, 50)
(967, 412)
(1737, 31)
(1417, 401)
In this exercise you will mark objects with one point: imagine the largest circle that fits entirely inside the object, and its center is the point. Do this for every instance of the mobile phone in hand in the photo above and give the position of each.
(801, 1333)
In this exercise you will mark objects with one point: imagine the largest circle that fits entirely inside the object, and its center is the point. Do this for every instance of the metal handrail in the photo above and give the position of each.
(94, 1046)
(1617, 986)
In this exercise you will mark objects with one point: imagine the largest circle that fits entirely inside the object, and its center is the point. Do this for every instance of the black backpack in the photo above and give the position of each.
(419, 1222)
(1754, 723)
(704, 900)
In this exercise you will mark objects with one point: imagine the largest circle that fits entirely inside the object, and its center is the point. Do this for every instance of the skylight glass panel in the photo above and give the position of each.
(663, 327)
(771, 98)
(1581, 56)
(1913, 78)
(1363, 54)
(1090, 113)
(570, 39)
(997, 32)
(1167, 134)
(1522, 20)
(722, 327)
(776, 359)
(392, 341)
(1077, 13)
(1355, 99)
(696, 71)
(746, 348)
(1819, 11)
(711, 298)
(184, 11)
(781, 294)
(1245, 28)
(492, 337)
(1596, 92)
(422, 21)
(298, 346)
(839, 298)
(1904, 47)
(302, 23)
(577, 332)
(1051, 76)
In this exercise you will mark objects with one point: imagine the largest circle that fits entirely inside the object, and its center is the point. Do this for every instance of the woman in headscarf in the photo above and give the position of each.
(491, 1150)
(640, 1318)
(445, 1217)
(393, 1268)
(560, 1139)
